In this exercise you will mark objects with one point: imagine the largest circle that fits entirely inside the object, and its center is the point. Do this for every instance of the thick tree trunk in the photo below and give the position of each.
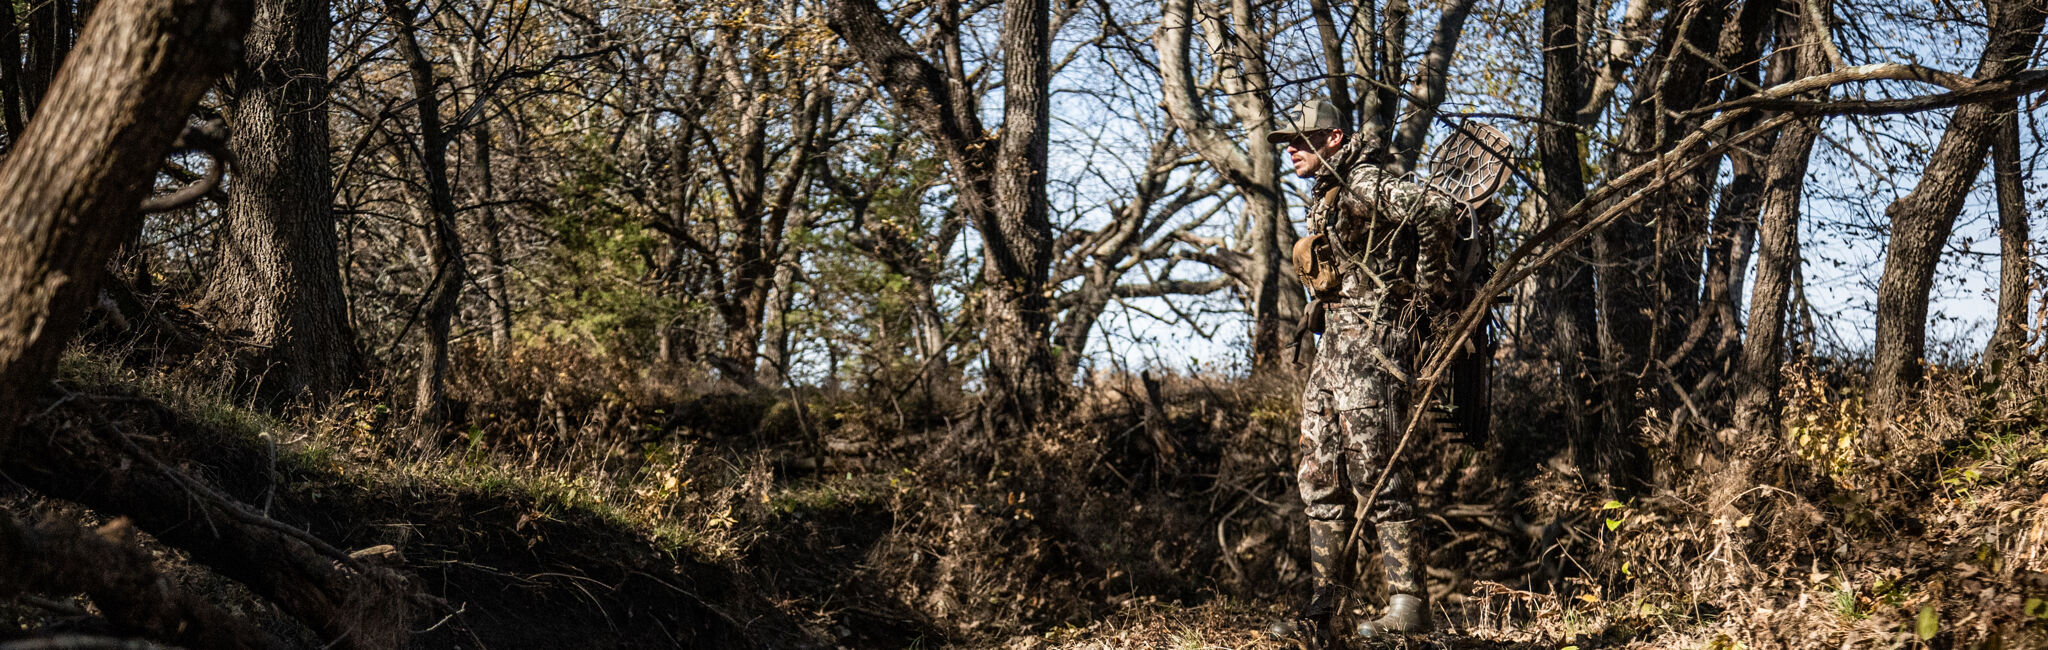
(1018, 311)
(1649, 261)
(444, 246)
(1922, 221)
(1565, 304)
(79, 172)
(2009, 339)
(277, 274)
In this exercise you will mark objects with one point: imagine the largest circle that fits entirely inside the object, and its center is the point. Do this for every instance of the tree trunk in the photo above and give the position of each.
(277, 274)
(444, 241)
(1649, 261)
(493, 280)
(1757, 405)
(1777, 260)
(1002, 191)
(1432, 79)
(1923, 219)
(1565, 304)
(77, 175)
(1019, 262)
(2009, 340)
(774, 368)
(1732, 230)
(1276, 297)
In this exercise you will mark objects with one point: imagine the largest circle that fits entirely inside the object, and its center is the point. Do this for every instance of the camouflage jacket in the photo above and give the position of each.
(1392, 238)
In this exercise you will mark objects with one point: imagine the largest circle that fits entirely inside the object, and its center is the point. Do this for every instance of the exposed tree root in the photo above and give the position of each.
(61, 557)
(74, 452)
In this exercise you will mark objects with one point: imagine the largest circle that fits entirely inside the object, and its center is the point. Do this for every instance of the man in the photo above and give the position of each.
(1378, 260)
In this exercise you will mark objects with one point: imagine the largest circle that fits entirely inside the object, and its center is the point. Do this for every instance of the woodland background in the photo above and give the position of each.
(830, 323)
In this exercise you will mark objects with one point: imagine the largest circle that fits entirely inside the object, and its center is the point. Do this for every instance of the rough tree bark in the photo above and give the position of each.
(1649, 262)
(1565, 303)
(78, 174)
(77, 177)
(444, 245)
(2009, 339)
(1731, 233)
(1923, 219)
(1777, 260)
(277, 276)
(1001, 188)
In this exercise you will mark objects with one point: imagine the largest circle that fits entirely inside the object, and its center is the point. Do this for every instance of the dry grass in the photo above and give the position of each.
(1171, 524)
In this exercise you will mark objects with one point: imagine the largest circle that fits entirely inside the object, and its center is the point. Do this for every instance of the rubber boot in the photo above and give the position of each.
(1407, 601)
(1314, 626)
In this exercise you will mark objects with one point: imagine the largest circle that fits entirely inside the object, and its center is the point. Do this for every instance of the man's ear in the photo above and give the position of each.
(1335, 139)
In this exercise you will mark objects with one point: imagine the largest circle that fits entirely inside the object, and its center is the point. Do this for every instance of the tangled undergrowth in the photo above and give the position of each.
(580, 496)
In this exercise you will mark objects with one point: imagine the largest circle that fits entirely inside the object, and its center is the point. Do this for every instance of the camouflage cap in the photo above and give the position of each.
(1313, 115)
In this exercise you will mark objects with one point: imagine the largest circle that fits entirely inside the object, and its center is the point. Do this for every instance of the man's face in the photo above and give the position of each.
(1308, 150)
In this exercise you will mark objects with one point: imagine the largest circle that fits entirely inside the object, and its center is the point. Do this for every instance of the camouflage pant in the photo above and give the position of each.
(1352, 413)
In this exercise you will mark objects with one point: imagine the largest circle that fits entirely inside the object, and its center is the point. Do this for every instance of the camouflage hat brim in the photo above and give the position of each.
(1310, 117)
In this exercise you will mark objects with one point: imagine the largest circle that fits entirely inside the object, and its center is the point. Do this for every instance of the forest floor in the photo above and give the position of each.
(622, 510)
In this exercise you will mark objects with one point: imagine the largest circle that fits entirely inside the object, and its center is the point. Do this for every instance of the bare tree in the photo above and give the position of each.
(1251, 167)
(1777, 260)
(444, 242)
(2009, 338)
(1000, 174)
(1923, 218)
(1564, 297)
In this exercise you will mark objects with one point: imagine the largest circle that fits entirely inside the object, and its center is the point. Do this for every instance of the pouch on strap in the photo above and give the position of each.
(1315, 264)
